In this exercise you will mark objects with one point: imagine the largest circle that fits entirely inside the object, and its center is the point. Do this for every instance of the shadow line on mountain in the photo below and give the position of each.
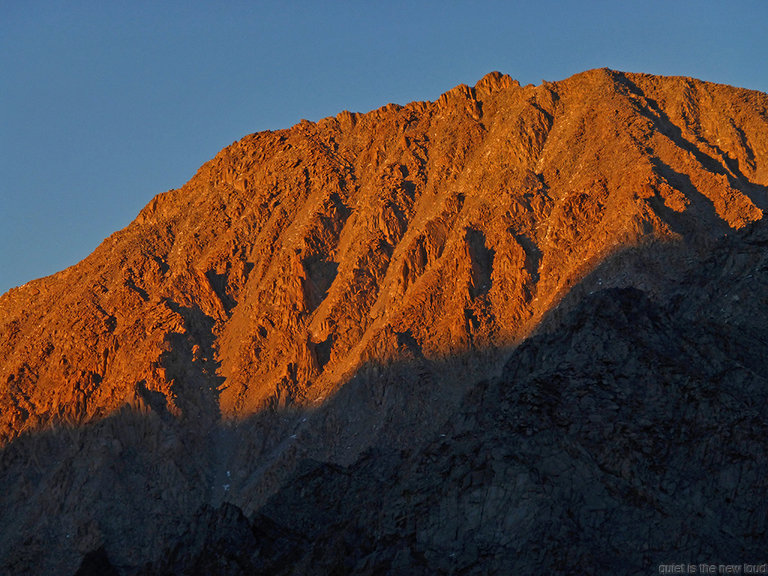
(309, 522)
(134, 480)
(730, 169)
(131, 483)
(684, 223)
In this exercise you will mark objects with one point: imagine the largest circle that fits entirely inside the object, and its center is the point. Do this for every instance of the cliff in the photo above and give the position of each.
(361, 286)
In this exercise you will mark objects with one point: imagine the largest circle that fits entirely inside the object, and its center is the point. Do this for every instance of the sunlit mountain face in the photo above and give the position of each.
(521, 329)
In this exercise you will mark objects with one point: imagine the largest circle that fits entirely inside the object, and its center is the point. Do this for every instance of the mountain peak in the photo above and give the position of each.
(327, 235)
(343, 286)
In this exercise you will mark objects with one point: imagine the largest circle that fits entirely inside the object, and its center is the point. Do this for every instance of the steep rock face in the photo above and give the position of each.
(319, 291)
(632, 434)
(294, 256)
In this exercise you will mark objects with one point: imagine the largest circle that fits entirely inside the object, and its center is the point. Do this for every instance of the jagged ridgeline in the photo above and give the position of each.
(339, 306)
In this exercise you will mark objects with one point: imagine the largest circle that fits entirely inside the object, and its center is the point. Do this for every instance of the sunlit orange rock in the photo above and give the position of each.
(293, 256)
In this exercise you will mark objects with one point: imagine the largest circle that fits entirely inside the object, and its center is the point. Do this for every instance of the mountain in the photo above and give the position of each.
(521, 328)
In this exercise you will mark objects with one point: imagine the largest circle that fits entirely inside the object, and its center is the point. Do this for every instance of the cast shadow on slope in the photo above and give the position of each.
(684, 223)
(129, 486)
(728, 167)
(627, 432)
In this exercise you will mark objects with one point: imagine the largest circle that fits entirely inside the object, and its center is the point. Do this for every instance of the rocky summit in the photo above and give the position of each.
(520, 329)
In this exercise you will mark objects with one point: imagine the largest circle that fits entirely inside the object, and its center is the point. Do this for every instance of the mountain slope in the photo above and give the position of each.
(630, 436)
(339, 287)
(294, 256)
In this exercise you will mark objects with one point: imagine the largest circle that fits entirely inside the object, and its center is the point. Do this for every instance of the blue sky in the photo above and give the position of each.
(105, 104)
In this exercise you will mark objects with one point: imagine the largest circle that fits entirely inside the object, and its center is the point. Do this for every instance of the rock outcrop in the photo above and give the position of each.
(310, 354)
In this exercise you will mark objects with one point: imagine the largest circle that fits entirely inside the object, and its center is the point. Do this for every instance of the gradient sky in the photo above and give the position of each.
(105, 104)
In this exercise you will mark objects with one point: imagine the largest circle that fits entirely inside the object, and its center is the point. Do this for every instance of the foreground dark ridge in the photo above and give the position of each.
(339, 292)
(630, 436)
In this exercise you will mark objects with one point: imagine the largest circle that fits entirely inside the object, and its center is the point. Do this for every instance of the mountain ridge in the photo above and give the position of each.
(343, 286)
(226, 176)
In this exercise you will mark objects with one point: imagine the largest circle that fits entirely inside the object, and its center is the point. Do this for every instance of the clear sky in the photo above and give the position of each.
(104, 104)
